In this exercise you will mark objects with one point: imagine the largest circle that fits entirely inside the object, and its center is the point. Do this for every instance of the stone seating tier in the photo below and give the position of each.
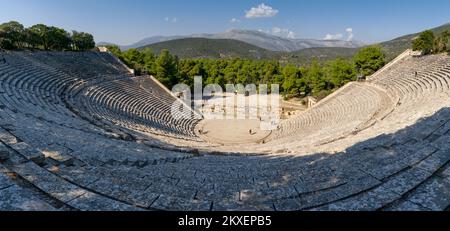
(380, 145)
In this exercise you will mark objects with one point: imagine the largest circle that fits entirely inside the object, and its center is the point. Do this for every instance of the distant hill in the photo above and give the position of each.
(396, 46)
(256, 38)
(212, 48)
(151, 40)
(322, 54)
(276, 43)
(228, 48)
(392, 48)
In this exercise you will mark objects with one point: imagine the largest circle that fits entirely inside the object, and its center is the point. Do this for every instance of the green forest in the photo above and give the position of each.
(14, 35)
(314, 79)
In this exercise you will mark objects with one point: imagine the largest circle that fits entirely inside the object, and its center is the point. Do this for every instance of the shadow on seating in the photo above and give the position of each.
(315, 180)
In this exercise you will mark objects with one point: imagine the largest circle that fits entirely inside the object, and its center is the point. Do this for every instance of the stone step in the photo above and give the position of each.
(15, 198)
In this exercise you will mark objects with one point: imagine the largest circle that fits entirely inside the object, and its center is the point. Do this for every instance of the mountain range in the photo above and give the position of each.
(212, 49)
(259, 45)
(257, 38)
(230, 48)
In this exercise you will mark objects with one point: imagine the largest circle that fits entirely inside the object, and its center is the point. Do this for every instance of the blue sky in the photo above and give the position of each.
(126, 21)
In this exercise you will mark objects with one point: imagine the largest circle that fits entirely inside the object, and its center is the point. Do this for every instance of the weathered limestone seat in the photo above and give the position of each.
(77, 132)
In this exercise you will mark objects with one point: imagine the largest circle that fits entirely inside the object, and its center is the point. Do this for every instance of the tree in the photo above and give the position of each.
(424, 43)
(166, 69)
(442, 42)
(33, 39)
(5, 43)
(12, 35)
(82, 41)
(368, 60)
(446, 39)
(149, 61)
(134, 59)
(314, 78)
(58, 39)
(339, 72)
(291, 75)
(42, 33)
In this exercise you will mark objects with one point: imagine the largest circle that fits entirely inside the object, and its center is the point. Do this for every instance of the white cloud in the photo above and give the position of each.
(282, 32)
(235, 20)
(333, 37)
(261, 11)
(340, 36)
(350, 34)
(172, 20)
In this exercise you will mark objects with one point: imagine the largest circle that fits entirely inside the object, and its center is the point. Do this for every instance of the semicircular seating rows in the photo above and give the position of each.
(125, 102)
(77, 134)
